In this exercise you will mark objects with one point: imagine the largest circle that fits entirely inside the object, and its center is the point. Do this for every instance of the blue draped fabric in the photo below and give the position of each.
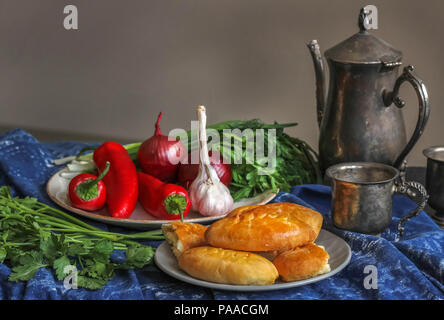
(412, 268)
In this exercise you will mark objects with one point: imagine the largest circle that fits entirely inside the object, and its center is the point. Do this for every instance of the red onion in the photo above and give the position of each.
(188, 172)
(159, 156)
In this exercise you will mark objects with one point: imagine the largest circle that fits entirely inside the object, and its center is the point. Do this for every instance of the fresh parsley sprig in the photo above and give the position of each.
(34, 235)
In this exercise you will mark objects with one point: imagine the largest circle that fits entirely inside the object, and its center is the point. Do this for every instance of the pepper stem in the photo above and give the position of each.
(102, 174)
(83, 150)
(89, 189)
(175, 204)
(158, 132)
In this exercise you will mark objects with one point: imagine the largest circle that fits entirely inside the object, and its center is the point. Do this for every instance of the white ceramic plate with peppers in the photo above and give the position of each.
(142, 199)
(57, 189)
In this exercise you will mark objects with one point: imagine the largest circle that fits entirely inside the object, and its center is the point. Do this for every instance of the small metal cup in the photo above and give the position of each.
(435, 181)
(362, 196)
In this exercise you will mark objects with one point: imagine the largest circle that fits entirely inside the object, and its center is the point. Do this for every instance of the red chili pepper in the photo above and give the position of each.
(163, 200)
(121, 181)
(88, 192)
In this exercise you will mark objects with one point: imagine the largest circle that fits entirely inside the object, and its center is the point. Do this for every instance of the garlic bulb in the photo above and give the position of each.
(208, 195)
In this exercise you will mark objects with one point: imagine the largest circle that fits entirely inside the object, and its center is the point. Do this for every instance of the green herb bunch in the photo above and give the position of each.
(296, 162)
(34, 235)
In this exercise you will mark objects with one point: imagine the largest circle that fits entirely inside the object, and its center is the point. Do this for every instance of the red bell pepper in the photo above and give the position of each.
(163, 200)
(88, 192)
(121, 181)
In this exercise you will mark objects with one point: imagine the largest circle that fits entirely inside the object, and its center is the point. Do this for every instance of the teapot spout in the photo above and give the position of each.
(313, 46)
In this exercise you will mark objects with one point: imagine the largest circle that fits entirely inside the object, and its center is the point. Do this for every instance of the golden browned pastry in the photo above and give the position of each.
(227, 266)
(184, 235)
(260, 228)
(242, 209)
(302, 263)
(307, 215)
(269, 255)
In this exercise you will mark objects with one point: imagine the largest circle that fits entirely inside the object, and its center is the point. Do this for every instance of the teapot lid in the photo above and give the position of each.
(364, 48)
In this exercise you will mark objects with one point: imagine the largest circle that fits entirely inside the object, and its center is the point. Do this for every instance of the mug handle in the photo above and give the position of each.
(413, 190)
(424, 107)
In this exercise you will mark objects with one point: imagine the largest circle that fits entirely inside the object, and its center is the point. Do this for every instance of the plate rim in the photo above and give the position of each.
(126, 221)
(252, 288)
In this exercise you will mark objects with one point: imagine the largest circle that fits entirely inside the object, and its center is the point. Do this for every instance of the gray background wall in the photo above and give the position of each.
(243, 59)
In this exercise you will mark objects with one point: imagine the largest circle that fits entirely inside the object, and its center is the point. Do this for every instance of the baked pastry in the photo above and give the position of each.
(227, 266)
(262, 228)
(269, 255)
(307, 215)
(242, 209)
(302, 263)
(184, 235)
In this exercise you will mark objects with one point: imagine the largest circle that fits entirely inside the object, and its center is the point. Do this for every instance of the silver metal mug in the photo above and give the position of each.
(435, 181)
(362, 196)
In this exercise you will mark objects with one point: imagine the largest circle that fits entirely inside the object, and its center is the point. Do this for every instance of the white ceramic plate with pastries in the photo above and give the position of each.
(254, 248)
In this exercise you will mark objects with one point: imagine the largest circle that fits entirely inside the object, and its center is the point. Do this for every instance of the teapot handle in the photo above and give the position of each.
(424, 107)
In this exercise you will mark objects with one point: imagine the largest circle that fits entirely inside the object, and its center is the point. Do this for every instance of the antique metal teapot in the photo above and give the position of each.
(361, 119)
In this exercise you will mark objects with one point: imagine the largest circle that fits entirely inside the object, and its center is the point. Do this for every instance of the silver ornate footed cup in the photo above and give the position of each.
(435, 181)
(362, 196)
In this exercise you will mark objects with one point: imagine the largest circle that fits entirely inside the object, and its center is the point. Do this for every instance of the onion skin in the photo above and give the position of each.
(159, 156)
(188, 172)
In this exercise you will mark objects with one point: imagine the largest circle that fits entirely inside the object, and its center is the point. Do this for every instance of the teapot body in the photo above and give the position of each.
(361, 118)
(357, 125)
